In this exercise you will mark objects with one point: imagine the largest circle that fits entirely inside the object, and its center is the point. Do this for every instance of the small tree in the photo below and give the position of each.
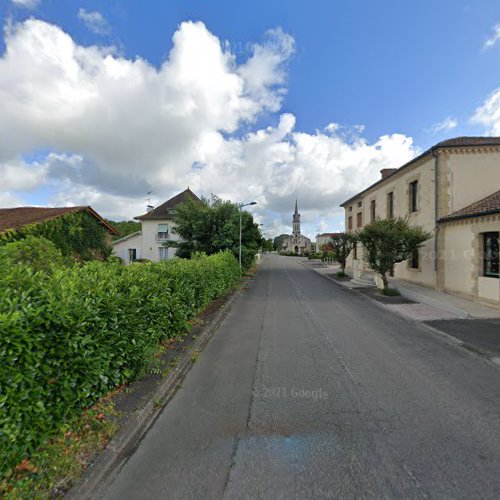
(278, 242)
(342, 245)
(212, 225)
(389, 241)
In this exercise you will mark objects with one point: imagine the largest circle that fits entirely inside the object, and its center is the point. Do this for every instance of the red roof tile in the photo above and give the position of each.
(15, 218)
(164, 211)
(486, 206)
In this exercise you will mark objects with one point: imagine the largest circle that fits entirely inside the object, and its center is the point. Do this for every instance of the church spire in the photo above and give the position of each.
(296, 220)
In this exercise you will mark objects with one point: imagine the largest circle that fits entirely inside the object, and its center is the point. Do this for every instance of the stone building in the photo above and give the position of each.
(452, 190)
(296, 242)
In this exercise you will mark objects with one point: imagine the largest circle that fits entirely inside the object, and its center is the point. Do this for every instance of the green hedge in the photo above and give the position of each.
(71, 335)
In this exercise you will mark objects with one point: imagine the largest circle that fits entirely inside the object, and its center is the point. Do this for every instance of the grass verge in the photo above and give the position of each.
(58, 463)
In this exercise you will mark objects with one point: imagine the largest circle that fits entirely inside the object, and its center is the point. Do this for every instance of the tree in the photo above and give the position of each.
(267, 245)
(342, 245)
(124, 227)
(389, 241)
(278, 241)
(213, 225)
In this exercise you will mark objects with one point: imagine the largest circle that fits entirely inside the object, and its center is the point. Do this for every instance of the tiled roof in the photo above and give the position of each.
(164, 210)
(469, 141)
(456, 142)
(329, 235)
(486, 206)
(15, 218)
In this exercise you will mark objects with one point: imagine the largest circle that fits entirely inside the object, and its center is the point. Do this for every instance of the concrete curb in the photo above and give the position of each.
(108, 463)
(449, 339)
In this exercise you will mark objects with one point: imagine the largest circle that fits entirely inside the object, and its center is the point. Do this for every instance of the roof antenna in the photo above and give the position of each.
(149, 207)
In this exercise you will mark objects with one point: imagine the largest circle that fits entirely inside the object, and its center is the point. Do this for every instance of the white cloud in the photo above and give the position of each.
(10, 200)
(94, 21)
(28, 4)
(19, 176)
(489, 113)
(495, 37)
(446, 124)
(119, 127)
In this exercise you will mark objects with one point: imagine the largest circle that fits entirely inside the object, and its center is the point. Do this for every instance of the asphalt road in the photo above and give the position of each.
(310, 391)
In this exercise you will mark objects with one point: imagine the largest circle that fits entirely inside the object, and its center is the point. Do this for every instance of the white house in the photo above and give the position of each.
(156, 229)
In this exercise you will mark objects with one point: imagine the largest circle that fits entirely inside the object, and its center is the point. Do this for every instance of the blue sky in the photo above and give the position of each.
(420, 69)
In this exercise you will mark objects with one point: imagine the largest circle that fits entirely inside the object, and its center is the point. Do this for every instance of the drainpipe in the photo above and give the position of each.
(436, 216)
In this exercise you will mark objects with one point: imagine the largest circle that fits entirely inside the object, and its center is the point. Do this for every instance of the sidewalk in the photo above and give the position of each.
(465, 309)
(474, 326)
(425, 304)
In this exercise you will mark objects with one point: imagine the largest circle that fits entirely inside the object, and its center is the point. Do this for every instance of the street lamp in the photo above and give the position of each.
(240, 206)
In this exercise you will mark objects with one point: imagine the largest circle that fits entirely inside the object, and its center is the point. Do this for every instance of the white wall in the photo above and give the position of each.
(150, 246)
(121, 248)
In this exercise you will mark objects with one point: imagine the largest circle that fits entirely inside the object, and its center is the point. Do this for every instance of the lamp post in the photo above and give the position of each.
(240, 206)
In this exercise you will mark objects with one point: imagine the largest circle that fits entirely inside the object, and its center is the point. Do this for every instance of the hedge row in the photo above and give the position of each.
(71, 335)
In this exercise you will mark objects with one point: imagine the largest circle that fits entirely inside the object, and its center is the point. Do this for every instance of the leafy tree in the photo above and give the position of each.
(267, 245)
(326, 247)
(389, 241)
(34, 251)
(124, 227)
(213, 225)
(341, 245)
(278, 241)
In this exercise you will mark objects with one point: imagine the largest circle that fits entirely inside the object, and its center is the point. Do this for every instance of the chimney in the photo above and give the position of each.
(385, 172)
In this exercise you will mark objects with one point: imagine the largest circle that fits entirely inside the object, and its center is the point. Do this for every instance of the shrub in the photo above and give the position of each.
(36, 252)
(77, 235)
(71, 335)
(390, 292)
(316, 255)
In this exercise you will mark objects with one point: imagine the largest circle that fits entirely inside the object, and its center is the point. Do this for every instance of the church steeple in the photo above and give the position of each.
(296, 220)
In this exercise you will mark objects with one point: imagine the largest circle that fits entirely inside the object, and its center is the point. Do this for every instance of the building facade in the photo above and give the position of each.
(296, 242)
(156, 228)
(451, 190)
(323, 241)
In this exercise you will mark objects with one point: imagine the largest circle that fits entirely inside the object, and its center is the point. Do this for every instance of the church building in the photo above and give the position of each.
(296, 242)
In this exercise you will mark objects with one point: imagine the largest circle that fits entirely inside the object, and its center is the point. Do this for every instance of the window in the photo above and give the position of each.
(349, 222)
(414, 261)
(132, 254)
(360, 219)
(413, 196)
(355, 248)
(162, 232)
(350, 209)
(360, 204)
(491, 264)
(373, 209)
(390, 205)
(163, 253)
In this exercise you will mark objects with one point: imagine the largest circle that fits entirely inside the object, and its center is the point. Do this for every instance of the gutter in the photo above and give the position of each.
(436, 215)
(467, 216)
